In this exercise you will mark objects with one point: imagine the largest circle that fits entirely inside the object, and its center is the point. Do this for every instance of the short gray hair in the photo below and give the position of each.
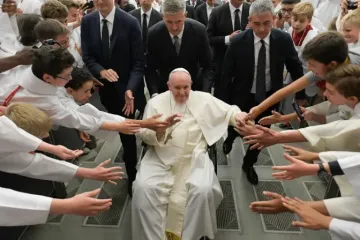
(261, 6)
(173, 6)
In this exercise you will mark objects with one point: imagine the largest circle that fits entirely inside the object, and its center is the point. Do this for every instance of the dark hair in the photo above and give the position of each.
(129, 7)
(79, 77)
(49, 29)
(290, 1)
(51, 60)
(26, 24)
(346, 80)
(326, 47)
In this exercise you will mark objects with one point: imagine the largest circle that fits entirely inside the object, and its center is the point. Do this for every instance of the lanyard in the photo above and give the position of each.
(11, 96)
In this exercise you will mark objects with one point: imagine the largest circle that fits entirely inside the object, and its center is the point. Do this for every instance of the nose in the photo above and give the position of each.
(326, 93)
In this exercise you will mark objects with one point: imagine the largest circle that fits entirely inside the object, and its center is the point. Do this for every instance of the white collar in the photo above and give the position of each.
(266, 39)
(110, 17)
(180, 34)
(357, 110)
(232, 8)
(148, 13)
(33, 84)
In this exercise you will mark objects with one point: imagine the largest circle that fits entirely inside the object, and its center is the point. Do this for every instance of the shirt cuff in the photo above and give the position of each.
(227, 40)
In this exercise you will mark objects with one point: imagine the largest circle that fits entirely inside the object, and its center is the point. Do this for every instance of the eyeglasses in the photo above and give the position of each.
(67, 78)
(51, 42)
(286, 11)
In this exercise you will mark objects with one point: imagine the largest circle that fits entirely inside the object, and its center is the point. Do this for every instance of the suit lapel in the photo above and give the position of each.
(185, 41)
(115, 30)
(251, 52)
(273, 51)
(152, 18)
(168, 42)
(138, 15)
(227, 15)
(244, 16)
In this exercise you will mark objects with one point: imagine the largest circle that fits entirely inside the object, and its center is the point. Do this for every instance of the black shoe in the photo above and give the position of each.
(227, 147)
(251, 175)
(204, 238)
(130, 192)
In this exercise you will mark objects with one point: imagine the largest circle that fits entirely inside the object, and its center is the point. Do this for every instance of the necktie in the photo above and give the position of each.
(144, 28)
(237, 25)
(260, 93)
(105, 42)
(177, 44)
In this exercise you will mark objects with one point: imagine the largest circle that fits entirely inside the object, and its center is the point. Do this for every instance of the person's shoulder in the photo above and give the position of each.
(125, 17)
(157, 27)
(195, 25)
(312, 78)
(159, 99)
(241, 37)
(277, 33)
(134, 12)
(203, 96)
(201, 7)
(354, 55)
(91, 16)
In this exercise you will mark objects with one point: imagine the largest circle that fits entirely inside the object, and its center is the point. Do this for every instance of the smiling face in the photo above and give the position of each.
(337, 98)
(350, 32)
(180, 85)
(320, 69)
(83, 94)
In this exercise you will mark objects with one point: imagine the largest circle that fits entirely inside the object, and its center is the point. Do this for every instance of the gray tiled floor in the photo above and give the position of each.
(236, 221)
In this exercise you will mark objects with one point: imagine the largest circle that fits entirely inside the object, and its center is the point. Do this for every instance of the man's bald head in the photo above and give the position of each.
(179, 84)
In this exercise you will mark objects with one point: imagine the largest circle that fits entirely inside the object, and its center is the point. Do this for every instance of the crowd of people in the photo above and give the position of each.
(180, 75)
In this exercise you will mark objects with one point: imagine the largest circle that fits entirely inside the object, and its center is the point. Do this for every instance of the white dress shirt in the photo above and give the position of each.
(110, 22)
(257, 46)
(209, 9)
(148, 14)
(232, 11)
(179, 36)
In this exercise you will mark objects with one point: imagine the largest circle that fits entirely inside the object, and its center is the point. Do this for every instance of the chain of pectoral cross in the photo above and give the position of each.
(169, 136)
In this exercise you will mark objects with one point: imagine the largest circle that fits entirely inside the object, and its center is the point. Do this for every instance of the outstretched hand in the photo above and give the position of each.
(272, 206)
(65, 153)
(296, 169)
(312, 219)
(300, 153)
(264, 139)
(101, 173)
(274, 118)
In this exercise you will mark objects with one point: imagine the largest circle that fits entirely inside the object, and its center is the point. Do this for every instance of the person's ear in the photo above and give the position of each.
(48, 78)
(333, 65)
(185, 14)
(69, 90)
(354, 100)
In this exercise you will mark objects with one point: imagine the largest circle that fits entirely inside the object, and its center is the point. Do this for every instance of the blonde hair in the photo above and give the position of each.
(54, 9)
(303, 9)
(29, 118)
(352, 18)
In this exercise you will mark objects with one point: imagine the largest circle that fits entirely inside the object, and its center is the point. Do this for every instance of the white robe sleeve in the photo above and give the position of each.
(351, 168)
(341, 229)
(37, 166)
(19, 209)
(332, 112)
(14, 139)
(336, 136)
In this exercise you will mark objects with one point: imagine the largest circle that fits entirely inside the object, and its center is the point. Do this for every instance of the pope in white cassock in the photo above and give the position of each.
(176, 191)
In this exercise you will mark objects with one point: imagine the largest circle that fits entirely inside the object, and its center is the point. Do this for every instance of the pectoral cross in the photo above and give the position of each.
(168, 138)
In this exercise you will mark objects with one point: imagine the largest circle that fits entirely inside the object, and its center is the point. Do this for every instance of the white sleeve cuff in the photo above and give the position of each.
(227, 40)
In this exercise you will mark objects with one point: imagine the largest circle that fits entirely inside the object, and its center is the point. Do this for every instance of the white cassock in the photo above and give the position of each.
(176, 191)
(31, 6)
(74, 45)
(327, 11)
(341, 230)
(346, 188)
(42, 95)
(68, 101)
(332, 112)
(14, 139)
(342, 135)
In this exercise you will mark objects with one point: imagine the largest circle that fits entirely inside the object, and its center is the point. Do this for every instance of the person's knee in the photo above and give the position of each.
(203, 191)
(143, 187)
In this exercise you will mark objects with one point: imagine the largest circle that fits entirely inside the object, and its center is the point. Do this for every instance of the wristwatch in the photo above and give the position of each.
(321, 169)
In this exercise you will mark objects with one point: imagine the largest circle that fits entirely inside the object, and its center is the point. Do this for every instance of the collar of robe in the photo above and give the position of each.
(33, 84)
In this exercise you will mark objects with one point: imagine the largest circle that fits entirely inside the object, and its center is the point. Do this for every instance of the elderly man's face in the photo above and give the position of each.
(180, 85)
(175, 22)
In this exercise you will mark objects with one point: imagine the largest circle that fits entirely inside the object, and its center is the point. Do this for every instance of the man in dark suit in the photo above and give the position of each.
(113, 51)
(203, 12)
(254, 63)
(194, 3)
(225, 22)
(178, 42)
(190, 12)
(147, 17)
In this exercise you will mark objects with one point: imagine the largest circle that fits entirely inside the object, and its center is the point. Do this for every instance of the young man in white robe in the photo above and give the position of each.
(176, 191)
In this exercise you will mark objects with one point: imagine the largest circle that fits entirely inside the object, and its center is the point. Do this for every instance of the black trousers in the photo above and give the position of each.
(251, 155)
(114, 105)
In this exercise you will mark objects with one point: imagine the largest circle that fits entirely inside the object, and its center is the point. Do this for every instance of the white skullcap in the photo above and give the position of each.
(180, 70)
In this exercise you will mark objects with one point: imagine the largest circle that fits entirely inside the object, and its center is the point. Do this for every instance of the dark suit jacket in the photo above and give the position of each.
(198, 3)
(238, 66)
(220, 25)
(190, 12)
(201, 13)
(127, 55)
(195, 53)
(155, 16)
